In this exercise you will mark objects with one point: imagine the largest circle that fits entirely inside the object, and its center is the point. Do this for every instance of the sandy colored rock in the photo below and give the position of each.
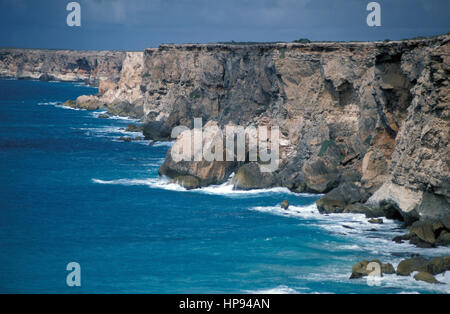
(426, 277)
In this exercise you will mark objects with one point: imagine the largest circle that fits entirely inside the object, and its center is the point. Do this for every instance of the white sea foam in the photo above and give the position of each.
(225, 189)
(276, 290)
(50, 103)
(59, 105)
(125, 118)
(163, 144)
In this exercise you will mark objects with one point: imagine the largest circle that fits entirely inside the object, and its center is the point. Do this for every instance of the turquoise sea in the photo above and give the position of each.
(70, 191)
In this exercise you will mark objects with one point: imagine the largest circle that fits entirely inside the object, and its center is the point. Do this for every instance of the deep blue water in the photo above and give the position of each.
(71, 192)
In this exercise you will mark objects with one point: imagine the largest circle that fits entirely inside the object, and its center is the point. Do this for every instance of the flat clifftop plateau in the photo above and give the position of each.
(61, 65)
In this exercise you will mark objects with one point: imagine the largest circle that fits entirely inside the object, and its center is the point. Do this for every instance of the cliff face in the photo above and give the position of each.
(366, 117)
(366, 123)
(419, 174)
(62, 65)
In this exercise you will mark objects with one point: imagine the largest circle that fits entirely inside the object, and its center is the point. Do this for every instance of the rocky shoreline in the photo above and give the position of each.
(365, 124)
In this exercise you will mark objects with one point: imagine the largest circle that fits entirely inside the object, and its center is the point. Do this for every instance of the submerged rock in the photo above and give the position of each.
(376, 221)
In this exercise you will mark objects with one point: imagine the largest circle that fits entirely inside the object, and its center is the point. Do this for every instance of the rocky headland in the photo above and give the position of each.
(365, 124)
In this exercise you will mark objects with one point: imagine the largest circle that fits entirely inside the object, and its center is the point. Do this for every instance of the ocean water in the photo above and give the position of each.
(71, 192)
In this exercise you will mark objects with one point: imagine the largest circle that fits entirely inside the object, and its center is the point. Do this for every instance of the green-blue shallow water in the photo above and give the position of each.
(71, 192)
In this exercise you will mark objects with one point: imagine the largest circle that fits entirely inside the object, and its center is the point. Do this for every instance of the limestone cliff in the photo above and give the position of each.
(61, 65)
(366, 123)
(365, 117)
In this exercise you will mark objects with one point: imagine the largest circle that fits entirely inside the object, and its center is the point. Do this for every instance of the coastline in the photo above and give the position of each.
(391, 96)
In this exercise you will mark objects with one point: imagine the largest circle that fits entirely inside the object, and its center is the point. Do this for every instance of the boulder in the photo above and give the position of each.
(439, 265)
(89, 102)
(321, 175)
(157, 131)
(134, 128)
(424, 230)
(285, 204)
(357, 208)
(388, 268)
(415, 240)
(188, 182)
(181, 159)
(103, 116)
(443, 239)
(249, 176)
(426, 277)
(362, 269)
(400, 239)
(340, 198)
(407, 266)
(376, 221)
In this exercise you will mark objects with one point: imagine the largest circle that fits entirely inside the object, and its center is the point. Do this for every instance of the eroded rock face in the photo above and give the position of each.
(62, 65)
(346, 112)
(374, 116)
(182, 161)
(419, 172)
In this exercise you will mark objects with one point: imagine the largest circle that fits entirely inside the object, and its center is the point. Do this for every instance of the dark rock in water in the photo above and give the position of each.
(400, 239)
(443, 239)
(157, 131)
(388, 269)
(426, 277)
(415, 240)
(208, 172)
(358, 208)
(125, 139)
(363, 268)
(188, 182)
(134, 128)
(70, 103)
(439, 265)
(407, 266)
(89, 102)
(424, 230)
(347, 227)
(339, 198)
(249, 176)
(124, 108)
(285, 204)
(376, 221)
(103, 116)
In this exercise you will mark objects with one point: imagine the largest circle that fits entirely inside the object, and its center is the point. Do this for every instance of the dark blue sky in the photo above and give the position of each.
(137, 24)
